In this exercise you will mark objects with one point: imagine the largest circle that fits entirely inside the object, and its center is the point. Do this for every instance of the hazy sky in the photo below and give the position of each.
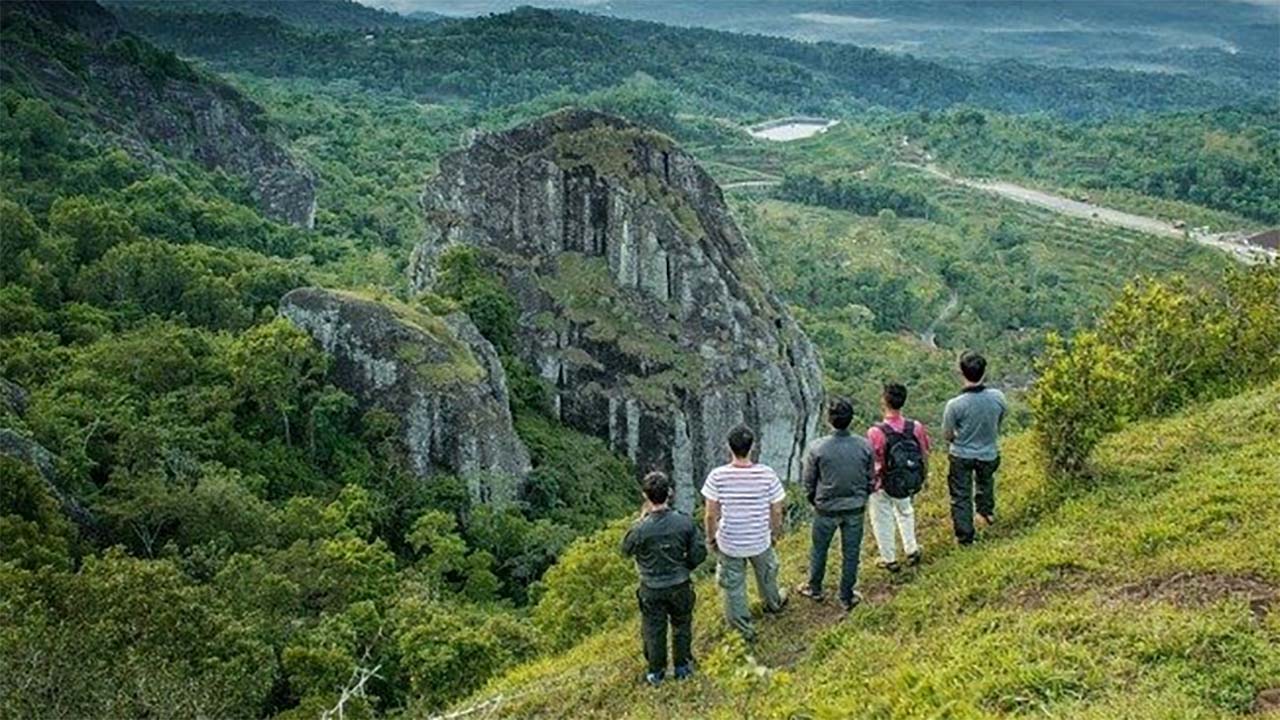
(480, 7)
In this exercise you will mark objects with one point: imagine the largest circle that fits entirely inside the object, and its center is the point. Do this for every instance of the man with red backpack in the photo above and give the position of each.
(900, 447)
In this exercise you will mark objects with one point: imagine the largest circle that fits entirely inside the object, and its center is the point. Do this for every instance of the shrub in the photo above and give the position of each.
(589, 589)
(1160, 347)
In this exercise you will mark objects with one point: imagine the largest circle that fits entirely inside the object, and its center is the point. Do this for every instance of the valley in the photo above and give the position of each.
(334, 340)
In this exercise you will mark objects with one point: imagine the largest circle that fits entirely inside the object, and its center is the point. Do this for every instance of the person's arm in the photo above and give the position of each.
(809, 475)
(922, 437)
(775, 522)
(869, 467)
(629, 540)
(776, 496)
(949, 422)
(876, 438)
(711, 521)
(695, 548)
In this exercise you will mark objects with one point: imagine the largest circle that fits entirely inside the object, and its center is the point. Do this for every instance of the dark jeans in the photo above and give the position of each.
(824, 529)
(657, 608)
(970, 482)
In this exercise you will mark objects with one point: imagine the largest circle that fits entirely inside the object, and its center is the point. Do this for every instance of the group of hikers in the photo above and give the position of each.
(845, 476)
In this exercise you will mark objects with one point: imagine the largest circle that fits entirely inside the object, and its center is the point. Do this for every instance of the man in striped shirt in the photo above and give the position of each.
(743, 521)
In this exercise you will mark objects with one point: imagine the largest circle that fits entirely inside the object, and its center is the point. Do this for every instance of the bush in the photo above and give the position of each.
(1160, 347)
(588, 590)
(464, 277)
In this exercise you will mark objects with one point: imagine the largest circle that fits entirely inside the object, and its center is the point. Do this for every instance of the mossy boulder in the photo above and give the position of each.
(641, 304)
(437, 374)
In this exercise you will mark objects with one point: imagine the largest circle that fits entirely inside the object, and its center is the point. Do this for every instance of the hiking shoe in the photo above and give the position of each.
(684, 672)
(781, 606)
(814, 595)
(914, 558)
(654, 678)
(851, 603)
(889, 565)
(987, 520)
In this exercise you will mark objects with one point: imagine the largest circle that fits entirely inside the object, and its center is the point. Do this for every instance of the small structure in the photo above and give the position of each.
(1269, 239)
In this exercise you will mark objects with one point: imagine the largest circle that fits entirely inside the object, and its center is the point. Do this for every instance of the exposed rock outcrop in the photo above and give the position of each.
(28, 451)
(641, 302)
(437, 374)
(13, 398)
(154, 104)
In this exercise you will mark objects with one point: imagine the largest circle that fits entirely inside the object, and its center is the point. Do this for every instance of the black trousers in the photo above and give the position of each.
(970, 482)
(659, 606)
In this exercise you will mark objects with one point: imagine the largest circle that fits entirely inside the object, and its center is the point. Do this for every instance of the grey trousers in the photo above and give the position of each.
(731, 575)
(824, 529)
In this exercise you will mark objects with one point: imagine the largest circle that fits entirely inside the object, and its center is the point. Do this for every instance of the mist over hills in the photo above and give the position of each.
(520, 55)
(1238, 40)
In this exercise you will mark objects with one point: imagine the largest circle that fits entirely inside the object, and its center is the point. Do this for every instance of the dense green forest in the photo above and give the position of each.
(514, 57)
(218, 530)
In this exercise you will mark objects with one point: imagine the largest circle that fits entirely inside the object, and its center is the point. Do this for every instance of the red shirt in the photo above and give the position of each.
(877, 439)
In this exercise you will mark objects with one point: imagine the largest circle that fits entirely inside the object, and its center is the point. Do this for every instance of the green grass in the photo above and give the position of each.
(1150, 594)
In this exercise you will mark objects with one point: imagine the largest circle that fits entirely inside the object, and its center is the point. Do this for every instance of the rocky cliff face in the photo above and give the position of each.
(437, 374)
(153, 103)
(641, 303)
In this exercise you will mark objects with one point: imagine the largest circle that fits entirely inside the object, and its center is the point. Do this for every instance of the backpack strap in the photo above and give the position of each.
(909, 429)
(888, 430)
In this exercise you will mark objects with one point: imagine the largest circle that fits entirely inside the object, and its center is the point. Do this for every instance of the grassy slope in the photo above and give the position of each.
(1146, 595)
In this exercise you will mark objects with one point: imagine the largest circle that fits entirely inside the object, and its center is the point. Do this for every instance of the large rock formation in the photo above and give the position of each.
(437, 374)
(641, 303)
(152, 103)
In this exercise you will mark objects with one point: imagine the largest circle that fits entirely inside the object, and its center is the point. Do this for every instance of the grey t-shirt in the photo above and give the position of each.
(974, 416)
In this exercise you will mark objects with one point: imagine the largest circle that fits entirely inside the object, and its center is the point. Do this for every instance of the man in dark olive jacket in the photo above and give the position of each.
(837, 475)
(666, 546)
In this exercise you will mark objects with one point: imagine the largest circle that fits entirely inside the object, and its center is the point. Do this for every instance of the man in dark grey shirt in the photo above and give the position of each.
(837, 476)
(666, 546)
(971, 424)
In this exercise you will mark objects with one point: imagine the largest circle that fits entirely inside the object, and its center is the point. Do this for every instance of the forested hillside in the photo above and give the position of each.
(201, 514)
(517, 56)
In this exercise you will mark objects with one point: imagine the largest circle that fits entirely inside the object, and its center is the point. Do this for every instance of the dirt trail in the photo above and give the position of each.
(930, 335)
(749, 184)
(1227, 242)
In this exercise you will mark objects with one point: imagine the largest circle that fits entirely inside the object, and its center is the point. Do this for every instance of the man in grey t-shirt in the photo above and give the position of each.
(971, 424)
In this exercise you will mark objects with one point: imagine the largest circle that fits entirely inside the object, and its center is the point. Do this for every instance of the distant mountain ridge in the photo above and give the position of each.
(312, 14)
(515, 57)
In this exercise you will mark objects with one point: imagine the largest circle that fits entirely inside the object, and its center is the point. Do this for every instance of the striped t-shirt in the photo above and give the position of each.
(745, 494)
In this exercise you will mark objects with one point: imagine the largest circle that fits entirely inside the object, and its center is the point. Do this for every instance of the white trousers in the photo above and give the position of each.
(886, 512)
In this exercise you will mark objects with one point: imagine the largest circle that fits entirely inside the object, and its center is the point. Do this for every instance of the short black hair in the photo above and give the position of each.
(656, 486)
(741, 440)
(895, 395)
(840, 413)
(973, 366)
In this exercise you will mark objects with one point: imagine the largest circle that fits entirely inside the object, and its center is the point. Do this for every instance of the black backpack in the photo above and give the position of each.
(903, 474)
